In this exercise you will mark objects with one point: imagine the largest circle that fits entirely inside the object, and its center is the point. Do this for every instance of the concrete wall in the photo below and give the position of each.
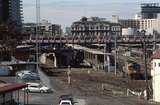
(44, 59)
(155, 72)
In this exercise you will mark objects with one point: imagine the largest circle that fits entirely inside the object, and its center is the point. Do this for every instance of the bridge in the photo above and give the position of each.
(93, 40)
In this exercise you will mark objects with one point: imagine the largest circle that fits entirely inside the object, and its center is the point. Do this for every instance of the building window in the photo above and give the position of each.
(159, 64)
(154, 64)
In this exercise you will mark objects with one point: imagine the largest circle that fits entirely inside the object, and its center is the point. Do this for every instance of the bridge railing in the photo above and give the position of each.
(90, 39)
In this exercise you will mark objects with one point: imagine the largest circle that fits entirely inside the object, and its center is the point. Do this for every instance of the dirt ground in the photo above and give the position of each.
(100, 88)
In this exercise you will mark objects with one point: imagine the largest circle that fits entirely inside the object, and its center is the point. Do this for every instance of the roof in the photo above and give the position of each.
(93, 51)
(156, 54)
(4, 88)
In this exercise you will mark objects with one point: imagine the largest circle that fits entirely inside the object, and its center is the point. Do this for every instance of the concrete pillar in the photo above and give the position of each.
(55, 61)
(108, 63)
(43, 58)
(96, 62)
(155, 72)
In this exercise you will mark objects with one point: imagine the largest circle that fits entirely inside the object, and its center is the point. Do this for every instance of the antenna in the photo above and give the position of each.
(37, 32)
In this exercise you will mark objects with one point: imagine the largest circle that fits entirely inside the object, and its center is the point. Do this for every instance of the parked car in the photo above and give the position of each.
(36, 87)
(21, 73)
(30, 77)
(27, 75)
(66, 97)
(65, 102)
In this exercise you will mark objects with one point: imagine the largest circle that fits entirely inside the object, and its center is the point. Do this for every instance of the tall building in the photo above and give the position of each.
(15, 8)
(150, 10)
(11, 11)
(94, 26)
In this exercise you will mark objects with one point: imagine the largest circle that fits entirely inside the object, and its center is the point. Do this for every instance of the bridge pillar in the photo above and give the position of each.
(45, 60)
(107, 49)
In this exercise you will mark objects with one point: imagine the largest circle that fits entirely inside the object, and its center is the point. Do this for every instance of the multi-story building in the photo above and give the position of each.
(46, 28)
(94, 26)
(0, 10)
(11, 11)
(151, 25)
(56, 30)
(15, 8)
(132, 23)
(150, 10)
(68, 31)
(29, 28)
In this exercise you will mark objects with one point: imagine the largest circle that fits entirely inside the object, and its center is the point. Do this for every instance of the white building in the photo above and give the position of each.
(150, 25)
(129, 31)
(155, 72)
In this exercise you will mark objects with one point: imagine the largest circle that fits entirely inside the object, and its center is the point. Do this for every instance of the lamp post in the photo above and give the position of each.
(145, 61)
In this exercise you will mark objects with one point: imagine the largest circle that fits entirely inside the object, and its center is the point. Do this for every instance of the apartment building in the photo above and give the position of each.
(11, 11)
(94, 26)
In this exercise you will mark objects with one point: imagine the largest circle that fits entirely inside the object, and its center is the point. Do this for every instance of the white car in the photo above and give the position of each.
(21, 73)
(36, 87)
(65, 102)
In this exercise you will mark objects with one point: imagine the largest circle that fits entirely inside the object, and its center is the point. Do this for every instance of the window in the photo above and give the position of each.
(159, 64)
(154, 64)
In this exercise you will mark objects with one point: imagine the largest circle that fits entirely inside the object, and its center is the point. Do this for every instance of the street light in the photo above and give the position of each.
(145, 61)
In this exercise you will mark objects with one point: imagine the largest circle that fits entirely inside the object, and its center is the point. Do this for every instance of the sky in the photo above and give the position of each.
(65, 12)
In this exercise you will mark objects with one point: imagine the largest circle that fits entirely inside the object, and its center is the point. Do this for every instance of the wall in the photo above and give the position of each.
(155, 72)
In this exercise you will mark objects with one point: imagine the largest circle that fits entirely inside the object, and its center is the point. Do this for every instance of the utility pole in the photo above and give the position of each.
(154, 43)
(115, 45)
(37, 32)
(145, 61)
(105, 47)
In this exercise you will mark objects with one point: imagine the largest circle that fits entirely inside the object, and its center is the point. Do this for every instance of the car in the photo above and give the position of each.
(27, 75)
(66, 97)
(65, 102)
(30, 77)
(37, 87)
(21, 73)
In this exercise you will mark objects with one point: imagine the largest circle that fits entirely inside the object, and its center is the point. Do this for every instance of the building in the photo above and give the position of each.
(29, 28)
(129, 31)
(46, 28)
(155, 72)
(147, 19)
(56, 30)
(4, 11)
(94, 26)
(126, 23)
(68, 31)
(132, 23)
(11, 11)
(150, 10)
(150, 25)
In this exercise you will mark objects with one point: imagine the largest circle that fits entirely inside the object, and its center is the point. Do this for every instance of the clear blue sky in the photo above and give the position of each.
(64, 12)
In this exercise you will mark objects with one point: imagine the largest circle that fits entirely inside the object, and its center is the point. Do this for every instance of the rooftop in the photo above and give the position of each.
(11, 87)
